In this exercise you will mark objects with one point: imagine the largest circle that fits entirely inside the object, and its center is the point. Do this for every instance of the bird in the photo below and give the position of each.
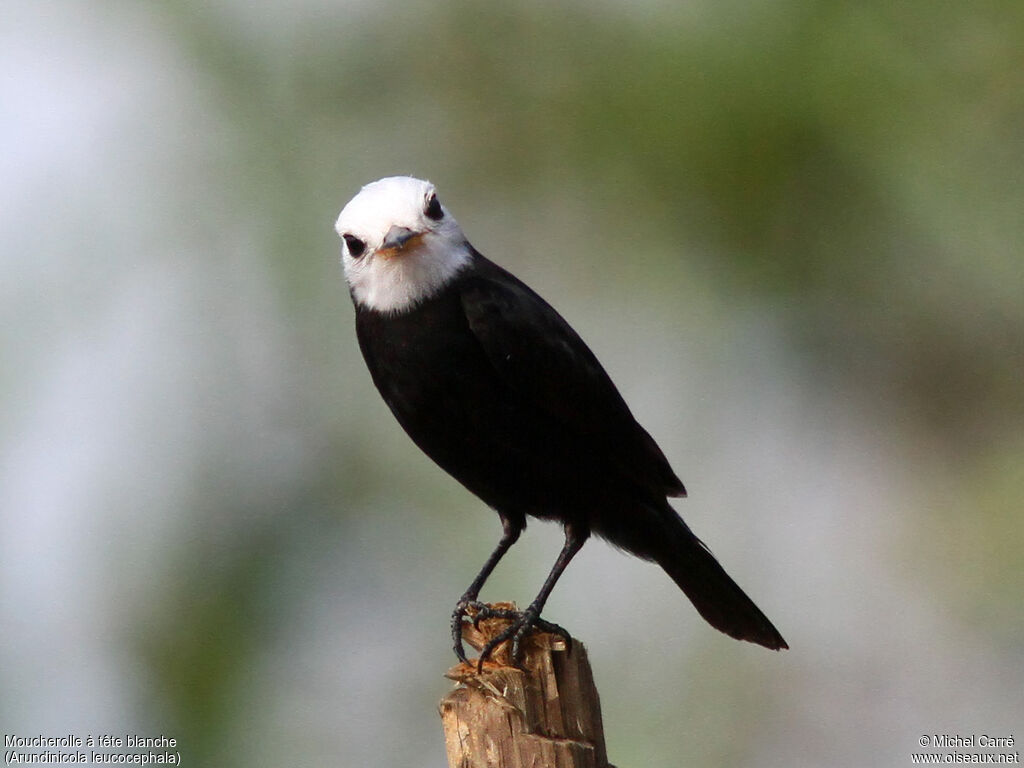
(497, 388)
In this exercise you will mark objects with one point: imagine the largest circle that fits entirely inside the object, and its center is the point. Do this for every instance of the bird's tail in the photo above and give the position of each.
(713, 593)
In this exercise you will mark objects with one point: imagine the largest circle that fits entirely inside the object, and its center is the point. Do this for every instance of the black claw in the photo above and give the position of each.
(491, 645)
(553, 629)
(461, 609)
(523, 623)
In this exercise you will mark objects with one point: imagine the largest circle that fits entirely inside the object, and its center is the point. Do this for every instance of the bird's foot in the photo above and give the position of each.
(474, 608)
(521, 623)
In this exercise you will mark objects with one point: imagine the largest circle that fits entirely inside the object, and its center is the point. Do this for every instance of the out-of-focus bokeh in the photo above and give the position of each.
(792, 231)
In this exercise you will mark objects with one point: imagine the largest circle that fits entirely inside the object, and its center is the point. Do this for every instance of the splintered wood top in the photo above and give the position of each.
(545, 715)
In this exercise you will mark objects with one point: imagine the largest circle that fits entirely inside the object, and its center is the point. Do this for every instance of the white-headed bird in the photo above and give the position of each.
(493, 385)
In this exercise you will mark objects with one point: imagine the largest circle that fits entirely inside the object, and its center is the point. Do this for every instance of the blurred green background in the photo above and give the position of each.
(792, 231)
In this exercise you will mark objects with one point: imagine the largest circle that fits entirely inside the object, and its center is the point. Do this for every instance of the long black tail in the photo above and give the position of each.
(714, 594)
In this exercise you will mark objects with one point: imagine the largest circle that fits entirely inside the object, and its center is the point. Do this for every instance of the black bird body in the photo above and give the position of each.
(497, 388)
(492, 384)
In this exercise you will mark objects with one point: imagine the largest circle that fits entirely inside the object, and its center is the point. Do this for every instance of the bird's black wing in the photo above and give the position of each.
(541, 358)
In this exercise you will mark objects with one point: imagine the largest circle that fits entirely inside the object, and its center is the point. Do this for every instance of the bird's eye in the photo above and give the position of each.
(355, 245)
(433, 209)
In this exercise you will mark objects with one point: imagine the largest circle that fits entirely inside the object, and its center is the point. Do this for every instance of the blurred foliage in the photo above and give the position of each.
(979, 563)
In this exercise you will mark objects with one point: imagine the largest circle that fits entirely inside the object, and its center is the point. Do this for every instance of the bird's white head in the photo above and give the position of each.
(401, 245)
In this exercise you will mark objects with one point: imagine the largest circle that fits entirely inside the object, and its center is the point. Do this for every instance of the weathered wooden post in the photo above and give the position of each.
(546, 715)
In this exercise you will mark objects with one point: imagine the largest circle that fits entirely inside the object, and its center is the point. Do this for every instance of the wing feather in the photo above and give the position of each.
(540, 357)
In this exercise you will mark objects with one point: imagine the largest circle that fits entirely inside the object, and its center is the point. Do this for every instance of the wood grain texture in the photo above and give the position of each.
(546, 715)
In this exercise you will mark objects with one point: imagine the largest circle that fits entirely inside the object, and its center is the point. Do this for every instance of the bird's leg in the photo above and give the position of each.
(511, 530)
(524, 621)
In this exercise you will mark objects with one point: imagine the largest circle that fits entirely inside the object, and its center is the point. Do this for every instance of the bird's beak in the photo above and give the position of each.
(398, 239)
